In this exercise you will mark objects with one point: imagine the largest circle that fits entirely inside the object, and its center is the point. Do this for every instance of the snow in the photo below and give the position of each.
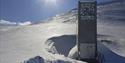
(62, 44)
(73, 52)
(109, 51)
(19, 43)
(25, 23)
(10, 23)
(51, 42)
(7, 22)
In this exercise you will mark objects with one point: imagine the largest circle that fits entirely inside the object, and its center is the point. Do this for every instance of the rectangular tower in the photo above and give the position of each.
(87, 30)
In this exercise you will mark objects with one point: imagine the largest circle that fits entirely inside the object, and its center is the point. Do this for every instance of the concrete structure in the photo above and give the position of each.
(87, 31)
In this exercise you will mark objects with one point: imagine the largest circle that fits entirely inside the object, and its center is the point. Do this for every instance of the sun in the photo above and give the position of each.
(53, 2)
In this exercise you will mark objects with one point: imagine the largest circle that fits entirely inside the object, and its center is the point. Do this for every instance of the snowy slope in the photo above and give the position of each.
(111, 22)
(23, 42)
(45, 42)
(107, 55)
(69, 17)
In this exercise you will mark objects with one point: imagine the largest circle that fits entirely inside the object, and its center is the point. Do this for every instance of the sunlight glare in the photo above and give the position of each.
(53, 2)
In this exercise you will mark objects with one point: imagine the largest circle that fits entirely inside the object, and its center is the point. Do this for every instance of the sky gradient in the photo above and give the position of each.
(34, 10)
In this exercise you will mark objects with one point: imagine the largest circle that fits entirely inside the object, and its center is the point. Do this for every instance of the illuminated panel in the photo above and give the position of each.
(87, 30)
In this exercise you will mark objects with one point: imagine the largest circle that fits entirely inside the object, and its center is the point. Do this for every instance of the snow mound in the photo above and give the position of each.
(39, 42)
(61, 44)
(39, 59)
(56, 48)
(115, 44)
(73, 53)
(109, 48)
(109, 56)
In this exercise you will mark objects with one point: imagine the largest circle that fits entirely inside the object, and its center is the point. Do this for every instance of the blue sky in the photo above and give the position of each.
(34, 10)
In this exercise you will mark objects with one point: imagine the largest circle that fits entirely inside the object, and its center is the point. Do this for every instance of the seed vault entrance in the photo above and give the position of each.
(87, 30)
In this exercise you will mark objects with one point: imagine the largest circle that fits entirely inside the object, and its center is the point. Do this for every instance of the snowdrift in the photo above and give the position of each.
(51, 42)
(111, 49)
(63, 44)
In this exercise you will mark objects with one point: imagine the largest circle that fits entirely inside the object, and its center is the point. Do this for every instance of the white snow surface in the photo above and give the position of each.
(20, 43)
(73, 52)
(44, 41)
(9, 23)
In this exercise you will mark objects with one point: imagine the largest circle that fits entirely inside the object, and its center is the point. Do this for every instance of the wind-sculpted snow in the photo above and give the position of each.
(117, 45)
(110, 23)
(112, 14)
(68, 17)
(108, 56)
(27, 43)
(62, 44)
(108, 46)
(114, 36)
(105, 47)
(39, 59)
(43, 42)
(57, 47)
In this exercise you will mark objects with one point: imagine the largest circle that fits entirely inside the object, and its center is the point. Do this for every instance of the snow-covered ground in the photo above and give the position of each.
(23, 42)
(51, 42)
